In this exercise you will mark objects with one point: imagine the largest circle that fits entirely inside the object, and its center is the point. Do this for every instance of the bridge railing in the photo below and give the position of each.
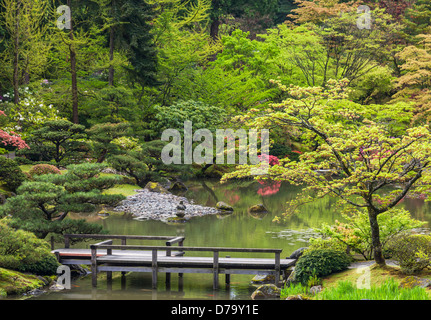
(215, 263)
(170, 240)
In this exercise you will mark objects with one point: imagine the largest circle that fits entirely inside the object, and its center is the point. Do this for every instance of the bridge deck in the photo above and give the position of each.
(106, 257)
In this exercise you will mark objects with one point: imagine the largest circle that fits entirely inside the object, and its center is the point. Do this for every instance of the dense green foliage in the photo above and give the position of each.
(319, 263)
(412, 251)
(11, 174)
(22, 251)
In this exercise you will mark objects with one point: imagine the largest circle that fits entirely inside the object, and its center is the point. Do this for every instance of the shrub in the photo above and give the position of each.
(23, 251)
(11, 174)
(41, 169)
(47, 265)
(320, 263)
(412, 251)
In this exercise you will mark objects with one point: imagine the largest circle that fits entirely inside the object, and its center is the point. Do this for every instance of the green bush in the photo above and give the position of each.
(412, 251)
(11, 174)
(47, 265)
(41, 169)
(23, 251)
(320, 263)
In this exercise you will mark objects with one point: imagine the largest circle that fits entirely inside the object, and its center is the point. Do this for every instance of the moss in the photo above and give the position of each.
(15, 283)
(123, 189)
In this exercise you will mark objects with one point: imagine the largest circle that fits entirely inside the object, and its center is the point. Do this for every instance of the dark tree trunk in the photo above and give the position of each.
(15, 79)
(214, 30)
(111, 50)
(72, 50)
(111, 57)
(375, 238)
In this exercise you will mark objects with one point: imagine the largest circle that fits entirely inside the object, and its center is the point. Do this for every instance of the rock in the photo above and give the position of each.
(56, 287)
(413, 281)
(147, 205)
(223, 206)
(35, 292)
(315, 289)
(177, 186)
(44, 280)
(258, 295)
(258, 208)
(264, 278)
(291, 278)
(77, 270)
(180, 214)
(297, 253)
(155, 187)
(266, 291)
(295, 297)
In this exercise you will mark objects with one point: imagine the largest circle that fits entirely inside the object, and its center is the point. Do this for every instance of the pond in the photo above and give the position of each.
(239, 229)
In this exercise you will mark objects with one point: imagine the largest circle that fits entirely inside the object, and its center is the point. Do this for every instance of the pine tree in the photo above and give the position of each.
(42, 206)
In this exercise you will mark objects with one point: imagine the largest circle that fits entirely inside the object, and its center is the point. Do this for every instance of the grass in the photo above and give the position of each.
(384, 284)
(388, 290)
(124, 189)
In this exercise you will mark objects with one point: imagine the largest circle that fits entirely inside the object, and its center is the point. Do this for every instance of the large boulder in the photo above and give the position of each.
(297, 253)
(223, 206)
(155, 187)
(177, 186)
(258, 208)
(266, 291)
(263, 278)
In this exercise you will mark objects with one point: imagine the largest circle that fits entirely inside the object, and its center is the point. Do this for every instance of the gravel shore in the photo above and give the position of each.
(148, 205)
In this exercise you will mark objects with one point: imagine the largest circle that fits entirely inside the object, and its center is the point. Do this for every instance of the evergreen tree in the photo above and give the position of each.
(42, 206)
(135, 34)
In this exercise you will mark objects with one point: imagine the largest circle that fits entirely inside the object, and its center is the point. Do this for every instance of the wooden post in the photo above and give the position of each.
(277, 268)
(109, 273)
(180, 275)
(93, 265)
(168, 275)
(66, 241)
(215, 269)
(227, 276)
(154, 267)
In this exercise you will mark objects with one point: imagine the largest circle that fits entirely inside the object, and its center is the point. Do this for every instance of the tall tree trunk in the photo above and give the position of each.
(72, 50)
(111, 57)
(15, 79)
(375, 238)
(111, 49)
(214, 29)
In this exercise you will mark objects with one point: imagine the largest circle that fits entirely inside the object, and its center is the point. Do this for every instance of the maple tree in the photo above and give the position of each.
(414, 84)
(357, 154)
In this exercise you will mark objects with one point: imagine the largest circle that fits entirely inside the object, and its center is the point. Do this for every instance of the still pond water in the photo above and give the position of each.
(239, 229)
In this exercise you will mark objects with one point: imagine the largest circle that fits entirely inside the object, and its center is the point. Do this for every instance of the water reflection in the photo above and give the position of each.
(239, 229)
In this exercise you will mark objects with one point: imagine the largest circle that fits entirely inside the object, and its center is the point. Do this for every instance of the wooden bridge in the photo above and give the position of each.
(107, 257)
